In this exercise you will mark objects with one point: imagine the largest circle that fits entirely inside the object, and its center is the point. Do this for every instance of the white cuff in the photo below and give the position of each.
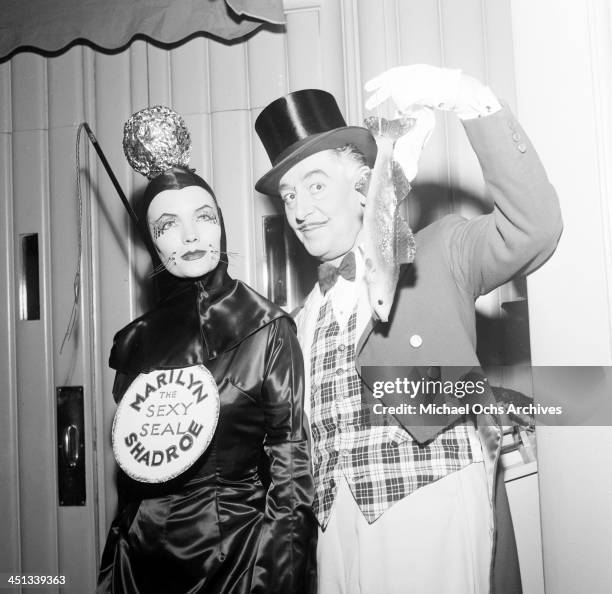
(482, 103)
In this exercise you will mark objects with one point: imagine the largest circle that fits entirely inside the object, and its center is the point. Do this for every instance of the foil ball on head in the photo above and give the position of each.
(156, 139)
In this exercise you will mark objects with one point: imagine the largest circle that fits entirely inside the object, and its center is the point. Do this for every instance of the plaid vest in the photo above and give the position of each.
(382, 464)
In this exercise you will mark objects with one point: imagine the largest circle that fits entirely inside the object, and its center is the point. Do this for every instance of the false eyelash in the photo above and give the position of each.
(158, 230)
(209, 218)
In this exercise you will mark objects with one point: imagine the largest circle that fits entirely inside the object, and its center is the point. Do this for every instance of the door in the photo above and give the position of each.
(46, 532)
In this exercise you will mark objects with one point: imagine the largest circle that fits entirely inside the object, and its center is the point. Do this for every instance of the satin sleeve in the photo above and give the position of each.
(285, 557)
(121, 384)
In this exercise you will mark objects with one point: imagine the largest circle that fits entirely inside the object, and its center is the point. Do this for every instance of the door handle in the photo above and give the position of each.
(71, 445)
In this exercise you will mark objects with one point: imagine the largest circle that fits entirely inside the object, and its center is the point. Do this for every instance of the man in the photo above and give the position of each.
(404, 507)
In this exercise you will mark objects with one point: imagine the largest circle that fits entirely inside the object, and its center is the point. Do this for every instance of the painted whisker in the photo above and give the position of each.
(162, 266)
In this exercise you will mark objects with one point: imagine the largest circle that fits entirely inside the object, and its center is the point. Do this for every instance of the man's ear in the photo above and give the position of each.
(362, 181)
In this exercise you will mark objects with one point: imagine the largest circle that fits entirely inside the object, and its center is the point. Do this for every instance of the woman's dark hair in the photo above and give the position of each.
(176, 178)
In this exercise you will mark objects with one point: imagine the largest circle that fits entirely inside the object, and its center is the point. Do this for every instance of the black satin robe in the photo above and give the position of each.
(240, 520)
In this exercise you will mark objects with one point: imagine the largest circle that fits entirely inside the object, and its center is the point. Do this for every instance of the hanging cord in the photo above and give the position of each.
(76, 283)
(77, 275)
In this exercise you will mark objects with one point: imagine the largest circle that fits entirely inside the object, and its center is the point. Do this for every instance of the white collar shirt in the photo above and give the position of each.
(345, 296)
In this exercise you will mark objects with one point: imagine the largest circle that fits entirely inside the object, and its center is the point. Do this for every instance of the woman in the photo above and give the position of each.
(238, 520)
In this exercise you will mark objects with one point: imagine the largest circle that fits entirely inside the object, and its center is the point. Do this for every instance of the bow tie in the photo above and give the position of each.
(328, 273)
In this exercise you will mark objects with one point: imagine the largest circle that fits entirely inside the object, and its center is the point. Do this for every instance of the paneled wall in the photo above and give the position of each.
(570, 116)
(41, 101)
(220, 89)
(9, 492)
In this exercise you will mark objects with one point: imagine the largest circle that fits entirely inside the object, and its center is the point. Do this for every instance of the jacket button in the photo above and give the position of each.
(522, 147)
(341, 347)
(339, 371)
(416, 341)
(516, 137)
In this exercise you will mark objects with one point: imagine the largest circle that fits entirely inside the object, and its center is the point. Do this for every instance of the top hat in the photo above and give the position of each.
(301, 124)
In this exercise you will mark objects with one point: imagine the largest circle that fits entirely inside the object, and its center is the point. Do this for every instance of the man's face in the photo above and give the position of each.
(321, 203)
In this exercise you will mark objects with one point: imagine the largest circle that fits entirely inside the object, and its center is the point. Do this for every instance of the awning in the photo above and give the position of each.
(52, 25)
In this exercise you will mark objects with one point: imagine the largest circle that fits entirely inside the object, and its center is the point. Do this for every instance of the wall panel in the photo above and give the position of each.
(499, 50)
(6, 125)
(145, 90)
(331, 52)
(201, 153)
(419, 24)
(228, 84)
(65, 90)
(373, 49)
(9, 460)
(267, 70)
(138, 56)
(232, 174)
(35, 406)
(463, 36)
(575, 478)
(158, 74)
(189, 76)
(268, 80)
(353, 109)
(117, 301)
(34, 380)
(462, 39)
(29, 91)
(77, 525)
(304, 67)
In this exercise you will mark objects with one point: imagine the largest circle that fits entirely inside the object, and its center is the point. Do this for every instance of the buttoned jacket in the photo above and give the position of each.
(433, 321)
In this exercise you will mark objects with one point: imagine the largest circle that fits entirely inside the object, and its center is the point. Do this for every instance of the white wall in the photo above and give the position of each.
(564, 90)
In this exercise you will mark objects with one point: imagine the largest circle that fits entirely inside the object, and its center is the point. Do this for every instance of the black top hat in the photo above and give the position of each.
(301, 124)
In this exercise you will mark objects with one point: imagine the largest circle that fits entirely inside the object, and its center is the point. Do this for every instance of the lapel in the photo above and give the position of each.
(361, 344)
(393, 353)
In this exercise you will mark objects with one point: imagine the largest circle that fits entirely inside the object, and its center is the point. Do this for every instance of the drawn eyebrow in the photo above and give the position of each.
(171, 215)
(164, 215)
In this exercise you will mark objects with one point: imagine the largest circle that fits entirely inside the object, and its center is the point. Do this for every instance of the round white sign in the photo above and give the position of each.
(164, 422)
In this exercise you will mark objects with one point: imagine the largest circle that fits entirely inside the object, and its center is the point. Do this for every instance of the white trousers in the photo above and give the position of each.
(437, 540)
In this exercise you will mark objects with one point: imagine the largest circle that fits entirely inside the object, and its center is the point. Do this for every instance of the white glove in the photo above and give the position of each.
(440, 88)
(408, 148)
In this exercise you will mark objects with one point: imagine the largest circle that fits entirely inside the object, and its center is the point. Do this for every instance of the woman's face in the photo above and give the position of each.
(185, 228)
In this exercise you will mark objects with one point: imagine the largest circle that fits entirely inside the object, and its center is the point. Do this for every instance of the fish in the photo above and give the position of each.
(388, 241)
